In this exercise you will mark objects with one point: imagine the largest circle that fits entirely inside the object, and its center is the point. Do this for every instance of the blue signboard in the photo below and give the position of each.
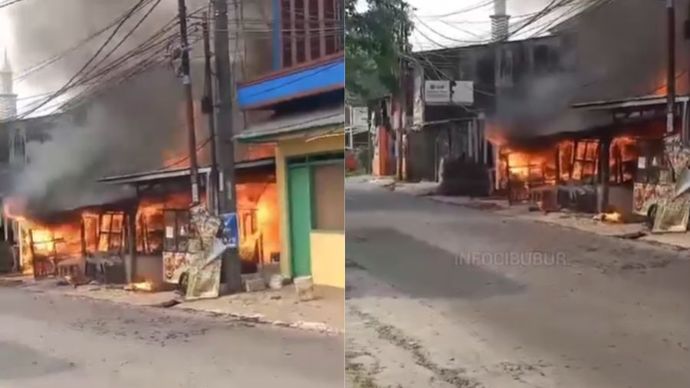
(230, 229)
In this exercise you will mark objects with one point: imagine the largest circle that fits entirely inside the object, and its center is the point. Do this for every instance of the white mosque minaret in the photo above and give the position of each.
(8, 99)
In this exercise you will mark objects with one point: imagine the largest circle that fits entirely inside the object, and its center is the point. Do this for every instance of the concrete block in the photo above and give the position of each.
(276, 282)
(253, 284)
(305, 288)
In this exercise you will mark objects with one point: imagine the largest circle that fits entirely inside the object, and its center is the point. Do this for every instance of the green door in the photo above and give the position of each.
(299, 192)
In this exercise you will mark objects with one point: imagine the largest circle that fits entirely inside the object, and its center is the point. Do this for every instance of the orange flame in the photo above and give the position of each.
(146, 286)
(613, 217)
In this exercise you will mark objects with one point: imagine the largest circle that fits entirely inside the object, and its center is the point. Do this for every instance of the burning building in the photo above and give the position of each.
(574, 118)
(84, 198)
(577, 169)
(143, 238)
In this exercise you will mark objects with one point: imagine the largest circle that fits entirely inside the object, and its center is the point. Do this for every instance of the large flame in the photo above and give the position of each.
(568, 160)
(259, 220)
(95, 230)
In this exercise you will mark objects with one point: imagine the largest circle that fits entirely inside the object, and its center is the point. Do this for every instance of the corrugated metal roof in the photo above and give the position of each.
(148, 176)
(297, 123)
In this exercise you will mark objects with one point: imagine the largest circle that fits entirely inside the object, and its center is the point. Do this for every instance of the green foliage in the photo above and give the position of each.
(375, 42)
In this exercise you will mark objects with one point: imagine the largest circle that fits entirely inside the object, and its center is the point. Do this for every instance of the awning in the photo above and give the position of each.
(158, 175)
(299, 124)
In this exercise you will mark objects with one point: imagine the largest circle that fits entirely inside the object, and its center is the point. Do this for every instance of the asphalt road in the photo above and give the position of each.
(434, 299)
(57, 341)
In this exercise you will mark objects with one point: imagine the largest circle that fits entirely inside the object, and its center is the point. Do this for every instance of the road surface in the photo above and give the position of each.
(62, 342)
(434, 300)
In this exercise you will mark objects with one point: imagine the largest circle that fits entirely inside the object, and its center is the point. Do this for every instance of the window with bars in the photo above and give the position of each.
(310, 30)
(585, 160)
(112, 232)
(177, 225)
(652, 167)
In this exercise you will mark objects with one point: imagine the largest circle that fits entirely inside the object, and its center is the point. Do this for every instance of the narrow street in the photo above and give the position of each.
(606, 313)
(57, 341)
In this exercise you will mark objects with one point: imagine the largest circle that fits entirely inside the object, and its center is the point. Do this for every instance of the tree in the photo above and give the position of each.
(376, 40)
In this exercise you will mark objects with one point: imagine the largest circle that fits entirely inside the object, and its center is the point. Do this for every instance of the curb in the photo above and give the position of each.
(319, 327)
(634, 236)
(4, 282)
(488, 206)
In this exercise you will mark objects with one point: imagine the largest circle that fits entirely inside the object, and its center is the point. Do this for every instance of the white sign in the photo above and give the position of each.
(359, 119)
(441, 93)
(418, 108)
(437, 92)
(463, 92)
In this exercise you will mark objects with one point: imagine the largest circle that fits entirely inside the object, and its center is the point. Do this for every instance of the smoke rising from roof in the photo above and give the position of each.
(131, 127)
(614, 51)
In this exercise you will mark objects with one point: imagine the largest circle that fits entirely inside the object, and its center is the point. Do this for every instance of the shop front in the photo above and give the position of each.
(310, 176)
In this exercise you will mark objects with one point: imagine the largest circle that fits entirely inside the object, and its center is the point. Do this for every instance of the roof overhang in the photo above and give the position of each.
(297, 125)
(149, 176)
(626, 103)
(160, 175)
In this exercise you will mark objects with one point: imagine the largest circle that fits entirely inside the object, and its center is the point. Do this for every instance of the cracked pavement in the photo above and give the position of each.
(433, 301)
(55, 341)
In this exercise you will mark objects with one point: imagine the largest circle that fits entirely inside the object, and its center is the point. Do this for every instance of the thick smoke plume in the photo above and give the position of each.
(132, 128)
(616, 51)
(135, 126)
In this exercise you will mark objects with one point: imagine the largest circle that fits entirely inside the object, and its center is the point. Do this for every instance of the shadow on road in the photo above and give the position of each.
(419, 269)
(22, 362)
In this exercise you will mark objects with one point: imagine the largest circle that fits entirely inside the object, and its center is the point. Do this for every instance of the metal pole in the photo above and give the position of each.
(224, 120)
(671, 72)
(189, 97)
(208, 84)
(604, 174)
(131, 244)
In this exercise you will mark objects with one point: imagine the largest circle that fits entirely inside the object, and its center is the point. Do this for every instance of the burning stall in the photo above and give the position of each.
(592, 170)
(163, 220)
(90, 240)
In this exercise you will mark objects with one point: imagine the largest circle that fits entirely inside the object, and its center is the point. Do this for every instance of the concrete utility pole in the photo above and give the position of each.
(189, 97)
(209, 100)
(402, 108)
(400, 123)
(671, 71)
(232, 270)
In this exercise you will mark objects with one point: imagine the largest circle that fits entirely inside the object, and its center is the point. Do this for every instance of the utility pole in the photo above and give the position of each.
(209, 108)
(671, 71)
(401, 120)
(187, 83)
(224, 120)
(402, 109)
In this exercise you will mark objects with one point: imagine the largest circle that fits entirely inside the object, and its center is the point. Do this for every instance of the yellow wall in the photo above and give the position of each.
(286, 149)
(328, 258)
